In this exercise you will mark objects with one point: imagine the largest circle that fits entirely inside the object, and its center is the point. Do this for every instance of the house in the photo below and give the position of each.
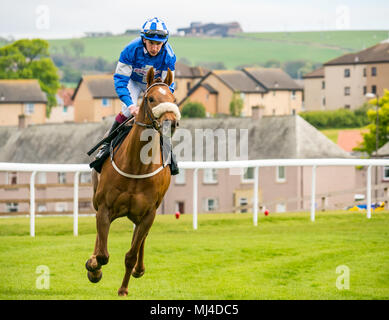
(64, 110)
(95, 98)
(343, 82)
(270, 89)
(185, 78)
(280, 188)
(211, 29)
(22, 98)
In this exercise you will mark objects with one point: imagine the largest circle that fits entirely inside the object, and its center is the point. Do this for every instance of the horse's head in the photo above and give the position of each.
(159, 104)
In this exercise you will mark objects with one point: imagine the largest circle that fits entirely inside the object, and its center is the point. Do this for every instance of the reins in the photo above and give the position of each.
(154, 125)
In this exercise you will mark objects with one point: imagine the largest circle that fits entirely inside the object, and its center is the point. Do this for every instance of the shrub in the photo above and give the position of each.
(193, 110)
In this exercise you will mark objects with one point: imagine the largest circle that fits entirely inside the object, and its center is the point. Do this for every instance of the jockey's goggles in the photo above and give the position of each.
(161, 34)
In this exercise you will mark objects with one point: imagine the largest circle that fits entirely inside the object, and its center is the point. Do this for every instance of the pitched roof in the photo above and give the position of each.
(374, 54)
(238, 80)
(100, 86)
(318, 73)
(209, 88)
(384, 150)
(287, 137)
(21, 91)
(185, 71)
(272, 78)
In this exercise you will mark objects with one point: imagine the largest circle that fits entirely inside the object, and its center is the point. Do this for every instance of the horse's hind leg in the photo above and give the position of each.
(100, 254)
(140, 234)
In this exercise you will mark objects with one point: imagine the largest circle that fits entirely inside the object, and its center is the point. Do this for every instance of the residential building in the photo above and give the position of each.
(64, 110)
(185, 78)
(346, 80)
(219, 190)
(211, 29)
(270, 89)
(22, 98)
(95, 98)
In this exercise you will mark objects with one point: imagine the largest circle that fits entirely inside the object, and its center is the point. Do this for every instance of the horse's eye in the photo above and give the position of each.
(151, 99)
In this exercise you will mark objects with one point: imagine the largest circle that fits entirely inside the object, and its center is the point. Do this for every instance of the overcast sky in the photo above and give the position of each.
(64, 18)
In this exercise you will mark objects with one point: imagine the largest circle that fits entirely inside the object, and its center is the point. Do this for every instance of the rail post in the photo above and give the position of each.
(195, 174)
(32, 204)
(368, 191)
(313, 193)
(255, 201)
(75, 203)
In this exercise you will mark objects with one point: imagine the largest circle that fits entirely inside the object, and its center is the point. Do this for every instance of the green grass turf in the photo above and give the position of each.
(285, 257)
(246, 48)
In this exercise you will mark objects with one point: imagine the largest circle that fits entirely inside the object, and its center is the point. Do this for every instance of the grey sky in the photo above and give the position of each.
(48, 19)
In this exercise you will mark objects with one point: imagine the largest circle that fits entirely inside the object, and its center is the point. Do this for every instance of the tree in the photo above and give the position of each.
(236, 105)
(193, 110)
(369, 139)
(30, 59)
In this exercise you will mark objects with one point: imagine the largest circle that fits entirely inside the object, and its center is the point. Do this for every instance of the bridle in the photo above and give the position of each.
(147, 110)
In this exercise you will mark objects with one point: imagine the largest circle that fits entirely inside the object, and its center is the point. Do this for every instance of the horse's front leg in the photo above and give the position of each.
(140, 233)
(100, 254)
(139, 269)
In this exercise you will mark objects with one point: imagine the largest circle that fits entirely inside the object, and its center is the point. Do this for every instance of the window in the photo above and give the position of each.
(85, 177)
(12, 207)
(243, 203)
(65, 109)
(210, 175)
(386, 174)
(106, 102)
(41, 178)
(347, 106)
(188, 86)
(61, 207)
(210, 204)
(280, 207)
(374, 89)
(62, 177)
(364, 72)
(323, 101)
(180, 206)
(180, 178)
(294, 112)
(281, 174)
(346, 91)
(42, 207)
(364, 90)
(12, 178)
(293, 94)
(323, 84)
(248, 175)
(346, 73)
(85, 205)
(29, 108)
(373, 71)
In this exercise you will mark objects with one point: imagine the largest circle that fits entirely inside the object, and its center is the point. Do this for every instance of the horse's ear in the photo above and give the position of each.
(150, 77)
(169, 77)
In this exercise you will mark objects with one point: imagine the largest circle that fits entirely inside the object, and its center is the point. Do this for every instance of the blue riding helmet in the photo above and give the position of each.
(155, 29)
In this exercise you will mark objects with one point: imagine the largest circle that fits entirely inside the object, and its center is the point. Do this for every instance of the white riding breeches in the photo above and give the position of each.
(135, 88)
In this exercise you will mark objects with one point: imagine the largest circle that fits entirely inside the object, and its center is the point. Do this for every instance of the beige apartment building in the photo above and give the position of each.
(343, 82)
(270, 90)
(22, 98)
(280, 188)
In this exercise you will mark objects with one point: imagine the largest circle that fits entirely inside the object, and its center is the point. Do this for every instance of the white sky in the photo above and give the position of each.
(55, 18)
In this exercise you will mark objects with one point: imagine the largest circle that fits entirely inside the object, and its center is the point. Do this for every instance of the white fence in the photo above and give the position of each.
(256, 164)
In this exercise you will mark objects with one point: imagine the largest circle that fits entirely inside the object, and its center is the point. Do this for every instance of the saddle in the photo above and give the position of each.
(166, 147)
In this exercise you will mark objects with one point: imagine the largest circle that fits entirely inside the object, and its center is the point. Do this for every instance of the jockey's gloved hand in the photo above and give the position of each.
(134, 110)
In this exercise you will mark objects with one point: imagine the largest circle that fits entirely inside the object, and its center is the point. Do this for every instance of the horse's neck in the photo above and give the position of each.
(139, 151)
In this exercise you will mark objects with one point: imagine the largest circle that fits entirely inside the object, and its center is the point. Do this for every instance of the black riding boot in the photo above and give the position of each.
(104, 150)
(173, 165)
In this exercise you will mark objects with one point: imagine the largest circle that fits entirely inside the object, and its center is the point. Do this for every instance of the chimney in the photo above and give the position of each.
(257, 112)
(24, 121)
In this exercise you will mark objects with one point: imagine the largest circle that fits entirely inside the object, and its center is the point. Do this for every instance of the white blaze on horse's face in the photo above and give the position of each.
(163, 91)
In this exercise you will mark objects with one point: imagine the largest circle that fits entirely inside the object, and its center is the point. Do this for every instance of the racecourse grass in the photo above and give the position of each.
(285, 257)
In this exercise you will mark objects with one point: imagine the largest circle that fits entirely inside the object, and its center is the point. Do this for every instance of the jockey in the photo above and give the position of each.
(151, 49)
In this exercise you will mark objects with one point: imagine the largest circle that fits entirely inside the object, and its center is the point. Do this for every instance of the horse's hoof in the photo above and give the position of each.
(123, 292)
(91, 269)
(95, 277)
(137, 274)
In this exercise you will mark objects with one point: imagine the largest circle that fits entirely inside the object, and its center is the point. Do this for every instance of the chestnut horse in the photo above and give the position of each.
(129, 186)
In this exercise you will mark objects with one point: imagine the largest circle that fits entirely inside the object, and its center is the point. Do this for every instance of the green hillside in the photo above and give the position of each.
(245, 48)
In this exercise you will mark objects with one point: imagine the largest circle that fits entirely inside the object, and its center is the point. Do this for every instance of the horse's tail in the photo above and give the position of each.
(95, 182)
